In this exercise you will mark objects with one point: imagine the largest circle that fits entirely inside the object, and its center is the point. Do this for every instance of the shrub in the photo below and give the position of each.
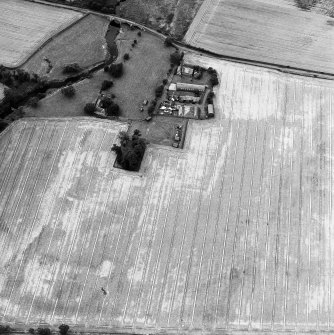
(116, 70)
(106, 102)
(131, 151)
(113, 110)
(89, 108)
(139, 33)
(150, 109)
(106, 84)
(41, 95)
(106, 68)
(68, 91)
(165, 81)
(168, 41)
(43, 331)
(31, 331)
(33, 102)
(72, 68)
(158, 91)
(135, 41)
(306, 4)
(176, 58)
(63, 329)
(4, 329)
(126, 56)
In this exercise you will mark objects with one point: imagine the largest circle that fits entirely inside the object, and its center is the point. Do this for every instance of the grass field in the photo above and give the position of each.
(84, 43)
(56, 105)
(143, 72)
(262, 30)
(232, 233)
(24, 26)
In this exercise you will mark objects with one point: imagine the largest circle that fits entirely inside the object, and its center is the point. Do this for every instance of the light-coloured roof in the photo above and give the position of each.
(193, 87)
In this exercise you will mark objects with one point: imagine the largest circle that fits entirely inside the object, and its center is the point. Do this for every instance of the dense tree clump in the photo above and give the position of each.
(159, 90)
(168, 41)
(110, 107)
(102, 6)
(72, 68)
(5, 329)
(33, 102)
(43, 331)
(130, 152)
(116, 70)
(176, 58)
(213, 76)
(20, 85)
(63, 329)
(68, 91)
(90, 108)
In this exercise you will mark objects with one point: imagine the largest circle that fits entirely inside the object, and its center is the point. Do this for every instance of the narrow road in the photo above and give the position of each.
(188, 48)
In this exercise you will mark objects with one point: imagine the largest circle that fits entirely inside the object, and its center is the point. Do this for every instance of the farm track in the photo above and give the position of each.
(209, 238)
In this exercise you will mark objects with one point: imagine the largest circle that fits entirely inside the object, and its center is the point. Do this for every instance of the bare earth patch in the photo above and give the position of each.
(24, 26)
(233, 232)
(262, 30)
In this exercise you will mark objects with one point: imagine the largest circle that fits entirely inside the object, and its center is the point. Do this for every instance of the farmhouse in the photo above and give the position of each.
(190, 87)
(172, 87)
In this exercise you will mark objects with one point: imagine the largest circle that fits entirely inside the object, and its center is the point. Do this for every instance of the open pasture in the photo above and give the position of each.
(83, 43)
(232, 233)
(262, 30)
(24, 26)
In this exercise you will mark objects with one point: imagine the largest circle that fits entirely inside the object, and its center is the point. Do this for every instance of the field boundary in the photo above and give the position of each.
(58, 119)
(45, 42)
(187, 47)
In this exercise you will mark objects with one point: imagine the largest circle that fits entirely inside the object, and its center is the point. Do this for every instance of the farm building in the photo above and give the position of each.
(172, 87)
(190, 87)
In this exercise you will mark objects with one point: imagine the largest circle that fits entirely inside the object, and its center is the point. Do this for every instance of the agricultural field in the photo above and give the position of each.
(83, 43)
(231, 233)
(262, 30)
(24, 26)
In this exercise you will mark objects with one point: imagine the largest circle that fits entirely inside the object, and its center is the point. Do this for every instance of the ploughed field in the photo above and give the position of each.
(232, 232)
(24, 26)
(264, 30)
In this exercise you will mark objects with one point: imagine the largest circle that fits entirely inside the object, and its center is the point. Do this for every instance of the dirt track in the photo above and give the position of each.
(233, 232)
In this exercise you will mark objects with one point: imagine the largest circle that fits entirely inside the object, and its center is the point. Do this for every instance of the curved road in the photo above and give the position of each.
(188, 48)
